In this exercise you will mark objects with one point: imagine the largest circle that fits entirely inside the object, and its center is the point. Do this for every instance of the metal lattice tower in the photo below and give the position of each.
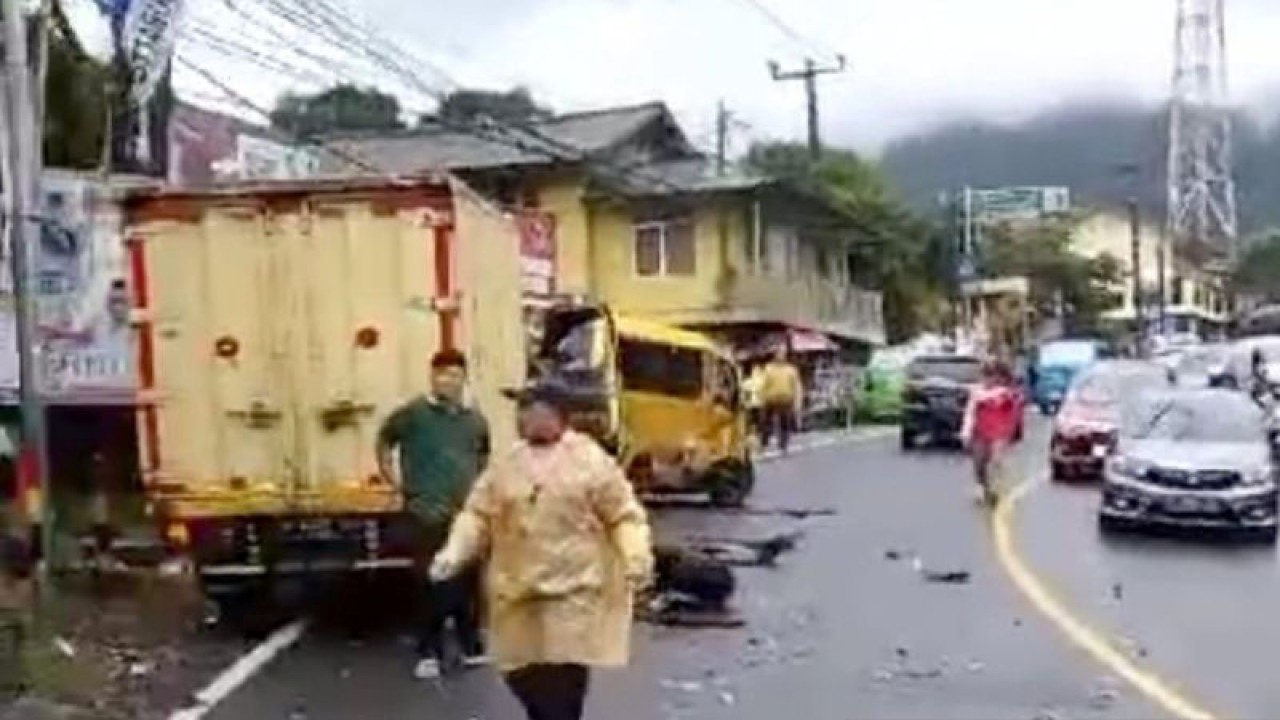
(1201, 193)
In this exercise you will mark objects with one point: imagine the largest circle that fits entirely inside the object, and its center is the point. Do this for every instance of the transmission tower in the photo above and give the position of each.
(1201, 193)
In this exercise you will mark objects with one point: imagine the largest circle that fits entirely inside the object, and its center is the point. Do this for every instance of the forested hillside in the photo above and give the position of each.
(1082, 148)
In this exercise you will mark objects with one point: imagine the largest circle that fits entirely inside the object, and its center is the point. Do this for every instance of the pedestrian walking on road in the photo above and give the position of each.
(783, 394)
(567, 547)
(443, 445)
(990, 425)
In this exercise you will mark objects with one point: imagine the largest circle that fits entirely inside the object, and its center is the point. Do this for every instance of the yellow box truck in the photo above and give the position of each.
(276, 326)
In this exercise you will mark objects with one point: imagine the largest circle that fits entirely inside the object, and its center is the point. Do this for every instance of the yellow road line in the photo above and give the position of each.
(1085, 637)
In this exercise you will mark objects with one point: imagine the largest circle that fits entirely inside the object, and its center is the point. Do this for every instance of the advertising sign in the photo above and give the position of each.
(1020, 203)
(261, 159)
(150, 32)
(537, 252)
(82, 303)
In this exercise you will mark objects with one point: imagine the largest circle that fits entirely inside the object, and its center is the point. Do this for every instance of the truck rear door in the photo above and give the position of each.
(215, 417)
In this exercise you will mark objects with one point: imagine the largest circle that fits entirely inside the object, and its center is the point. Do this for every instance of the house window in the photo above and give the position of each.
(665, 248)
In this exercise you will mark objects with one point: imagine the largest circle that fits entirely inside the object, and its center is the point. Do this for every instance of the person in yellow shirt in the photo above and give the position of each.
(782, 393)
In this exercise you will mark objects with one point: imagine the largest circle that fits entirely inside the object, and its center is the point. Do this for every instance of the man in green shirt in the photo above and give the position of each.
(442, 446)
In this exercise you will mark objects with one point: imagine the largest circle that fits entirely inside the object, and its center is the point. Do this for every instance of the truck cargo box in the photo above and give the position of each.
(278, 324)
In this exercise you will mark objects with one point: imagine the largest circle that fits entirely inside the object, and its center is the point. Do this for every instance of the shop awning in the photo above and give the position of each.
(798, 340)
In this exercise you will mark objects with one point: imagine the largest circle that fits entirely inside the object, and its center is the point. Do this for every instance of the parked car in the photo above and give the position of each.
(879, 397)
(1238, 370)
(1202, 366)
(1056, 364)
(935, 395)
(1192, 459)
(1084, 430)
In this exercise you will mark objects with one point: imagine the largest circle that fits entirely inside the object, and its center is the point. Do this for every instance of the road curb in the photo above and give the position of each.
(830, 440)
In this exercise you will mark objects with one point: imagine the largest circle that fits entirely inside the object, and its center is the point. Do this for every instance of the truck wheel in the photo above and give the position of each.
(730, 483)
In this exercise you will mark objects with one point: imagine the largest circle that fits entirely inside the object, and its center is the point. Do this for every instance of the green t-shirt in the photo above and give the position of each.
(443, 447)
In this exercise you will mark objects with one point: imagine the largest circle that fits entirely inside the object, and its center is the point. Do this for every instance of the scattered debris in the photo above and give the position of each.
(949, 577)
(741, 552)
(1103, 699)
(1048, 714)
(687, 686)
(975, 666)
(1104, 695)
(1117, 591)
(727, 698)
(892, 554)
(793, 513)
(66, 648)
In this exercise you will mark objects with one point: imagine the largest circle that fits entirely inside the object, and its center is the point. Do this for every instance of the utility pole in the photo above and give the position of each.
(21, 207)
(1162, 308)
(810, 75)
(722, 137)
(1135, 248)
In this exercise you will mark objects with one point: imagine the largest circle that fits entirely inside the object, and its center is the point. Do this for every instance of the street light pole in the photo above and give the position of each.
(21, 183)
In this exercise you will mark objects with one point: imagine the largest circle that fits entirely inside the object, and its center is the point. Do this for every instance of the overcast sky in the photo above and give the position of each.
(913, 63)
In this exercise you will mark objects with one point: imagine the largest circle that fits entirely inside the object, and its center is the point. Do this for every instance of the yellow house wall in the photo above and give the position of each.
(614, 264)
(563, 198)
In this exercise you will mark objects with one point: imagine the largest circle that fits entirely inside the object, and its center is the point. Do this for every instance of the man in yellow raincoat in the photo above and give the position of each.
(567, 547)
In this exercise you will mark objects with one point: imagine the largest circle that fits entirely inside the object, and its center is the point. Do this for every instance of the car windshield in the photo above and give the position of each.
(1107, 384)
(956, 369)
(1074, 352)
(1217, 417)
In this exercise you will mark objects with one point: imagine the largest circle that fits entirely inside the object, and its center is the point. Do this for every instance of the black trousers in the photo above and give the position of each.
(551, 692)
(456, 599)
(779, 418)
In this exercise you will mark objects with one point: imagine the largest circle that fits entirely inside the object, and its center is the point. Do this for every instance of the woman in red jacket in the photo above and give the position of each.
(991, 424)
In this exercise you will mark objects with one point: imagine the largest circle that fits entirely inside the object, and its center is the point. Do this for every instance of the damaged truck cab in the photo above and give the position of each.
(665, 401)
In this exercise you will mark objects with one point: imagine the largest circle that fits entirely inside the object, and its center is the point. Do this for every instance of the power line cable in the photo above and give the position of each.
(786, 29)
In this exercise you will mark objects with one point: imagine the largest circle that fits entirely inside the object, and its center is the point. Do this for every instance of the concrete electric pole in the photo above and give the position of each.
(1135, 248)
(810, 75)
(21, 182)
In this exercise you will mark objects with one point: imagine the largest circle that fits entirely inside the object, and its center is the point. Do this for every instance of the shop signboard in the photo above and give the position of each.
(82, 303)
(537, 253)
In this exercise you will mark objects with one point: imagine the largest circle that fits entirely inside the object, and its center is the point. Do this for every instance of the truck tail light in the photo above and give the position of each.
(226, 347)
(178, 535)
(367, 338)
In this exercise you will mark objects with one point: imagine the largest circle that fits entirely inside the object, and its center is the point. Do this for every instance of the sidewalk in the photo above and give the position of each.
(809, 441)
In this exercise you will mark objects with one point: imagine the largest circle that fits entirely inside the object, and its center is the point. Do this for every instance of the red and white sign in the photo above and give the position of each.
(537, 252)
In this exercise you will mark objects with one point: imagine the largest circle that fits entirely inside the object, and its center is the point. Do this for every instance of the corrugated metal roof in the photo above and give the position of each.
(587, 133)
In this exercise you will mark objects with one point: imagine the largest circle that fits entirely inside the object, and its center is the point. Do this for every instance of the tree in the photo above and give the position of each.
(75, 100)
(342, 107)
(468, 106)
(1258, 272)
(895, 251)
(1062, 282)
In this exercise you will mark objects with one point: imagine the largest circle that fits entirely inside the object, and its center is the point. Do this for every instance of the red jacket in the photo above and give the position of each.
(992, 414)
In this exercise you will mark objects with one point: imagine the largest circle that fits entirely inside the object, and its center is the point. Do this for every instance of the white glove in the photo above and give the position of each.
(444, 567)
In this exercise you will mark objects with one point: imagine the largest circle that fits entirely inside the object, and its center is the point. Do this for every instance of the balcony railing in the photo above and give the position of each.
(821, 304)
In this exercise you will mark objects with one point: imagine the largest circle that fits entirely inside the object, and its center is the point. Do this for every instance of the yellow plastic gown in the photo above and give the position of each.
(565, 540)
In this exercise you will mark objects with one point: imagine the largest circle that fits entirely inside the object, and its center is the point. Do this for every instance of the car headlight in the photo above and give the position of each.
(1128, 467)
(1257, 477)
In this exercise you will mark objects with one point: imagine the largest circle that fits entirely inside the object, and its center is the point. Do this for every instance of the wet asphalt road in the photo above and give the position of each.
(839, 631)
(1205, 615)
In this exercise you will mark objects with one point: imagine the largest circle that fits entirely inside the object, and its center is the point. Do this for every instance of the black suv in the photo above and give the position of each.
(935, 396)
